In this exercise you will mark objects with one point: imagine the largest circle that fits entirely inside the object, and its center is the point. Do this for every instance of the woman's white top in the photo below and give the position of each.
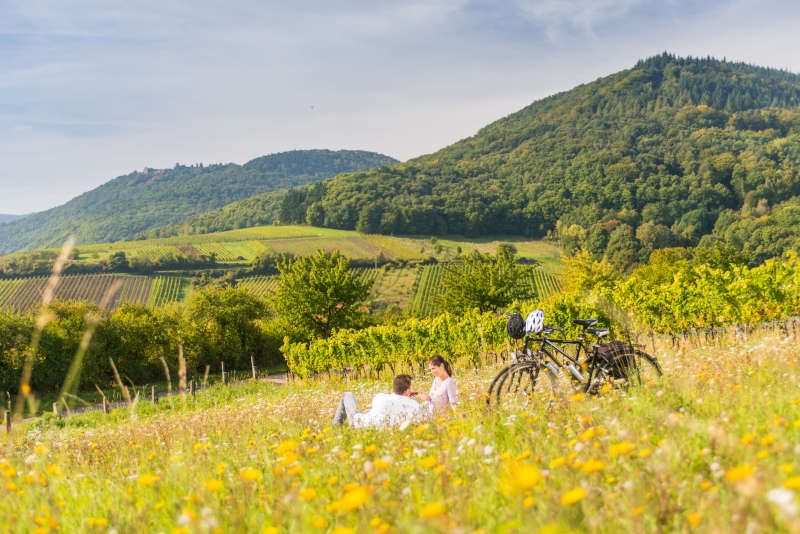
(443, 393)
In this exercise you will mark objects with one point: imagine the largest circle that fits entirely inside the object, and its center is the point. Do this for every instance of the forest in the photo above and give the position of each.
(131, 204)
(673, 152)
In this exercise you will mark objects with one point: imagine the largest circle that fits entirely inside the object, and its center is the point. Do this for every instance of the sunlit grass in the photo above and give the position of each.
(711, 448)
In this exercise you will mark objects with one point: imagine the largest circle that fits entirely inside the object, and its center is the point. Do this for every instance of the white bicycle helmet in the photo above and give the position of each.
(534, 323)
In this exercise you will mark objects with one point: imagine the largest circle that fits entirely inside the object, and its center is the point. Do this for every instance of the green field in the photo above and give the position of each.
(242, 246)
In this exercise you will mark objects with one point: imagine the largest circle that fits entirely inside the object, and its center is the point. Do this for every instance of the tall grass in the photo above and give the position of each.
(713, 447)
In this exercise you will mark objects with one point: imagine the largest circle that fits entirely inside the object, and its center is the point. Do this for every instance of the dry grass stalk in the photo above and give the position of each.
(181, 372)
(92, 321)
(45, 316)
(166, 372)
(205, 376)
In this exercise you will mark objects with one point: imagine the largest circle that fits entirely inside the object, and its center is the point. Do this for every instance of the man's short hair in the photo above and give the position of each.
(401, 384)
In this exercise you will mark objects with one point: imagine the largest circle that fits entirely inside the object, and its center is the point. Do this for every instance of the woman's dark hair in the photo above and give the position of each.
(437, 360)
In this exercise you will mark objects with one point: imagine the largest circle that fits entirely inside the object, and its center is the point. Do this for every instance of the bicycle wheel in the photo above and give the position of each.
(522, 383)
(629, 367)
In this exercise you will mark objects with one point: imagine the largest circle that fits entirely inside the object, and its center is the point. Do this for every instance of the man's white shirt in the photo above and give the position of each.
(389, 409)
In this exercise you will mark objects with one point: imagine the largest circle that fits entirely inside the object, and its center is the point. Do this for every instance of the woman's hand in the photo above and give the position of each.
(426, 397)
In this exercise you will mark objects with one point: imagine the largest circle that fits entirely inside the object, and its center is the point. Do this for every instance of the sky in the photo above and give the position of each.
(95, 89)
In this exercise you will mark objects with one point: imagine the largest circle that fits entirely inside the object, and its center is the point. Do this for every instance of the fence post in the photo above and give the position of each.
(253, 366)
(223, 372)
(7, 420)
(55, 410)
(191, 386)
(153, 397)
(8, 401)
(105, 405)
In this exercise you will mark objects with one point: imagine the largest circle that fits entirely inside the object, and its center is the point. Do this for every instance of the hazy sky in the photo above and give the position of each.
(92, 90)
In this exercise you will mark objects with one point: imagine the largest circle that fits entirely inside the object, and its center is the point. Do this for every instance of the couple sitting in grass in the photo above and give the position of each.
(399, 408)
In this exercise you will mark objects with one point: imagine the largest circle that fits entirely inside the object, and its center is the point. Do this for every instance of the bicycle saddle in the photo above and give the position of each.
(584, 322)
(599, 332)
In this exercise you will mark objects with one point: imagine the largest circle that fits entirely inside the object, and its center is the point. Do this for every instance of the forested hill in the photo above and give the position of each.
(6, 217)
(130, 204)
(662, 154)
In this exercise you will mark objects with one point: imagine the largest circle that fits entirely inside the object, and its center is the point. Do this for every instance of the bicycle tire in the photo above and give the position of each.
(521, 382)
(644, 365)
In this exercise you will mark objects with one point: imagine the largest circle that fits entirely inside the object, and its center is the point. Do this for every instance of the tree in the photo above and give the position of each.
(223, 325)
(622, 247)
(319, 294)
(483, 281)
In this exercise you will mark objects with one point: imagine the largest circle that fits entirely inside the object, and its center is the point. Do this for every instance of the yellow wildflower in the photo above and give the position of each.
(623, 447)
(380, 464)
(592, 465)
(521, 476)
(148, 479)
(739, 472)
(573, 496)
(354, 499)
(428, 462)
(308, 494)
(250, 474)
(434, 509)
(213, 485)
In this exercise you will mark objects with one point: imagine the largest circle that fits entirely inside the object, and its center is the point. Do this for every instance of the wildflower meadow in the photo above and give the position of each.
(711, 447)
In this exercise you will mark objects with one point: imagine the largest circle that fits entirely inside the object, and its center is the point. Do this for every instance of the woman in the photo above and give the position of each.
(444, 393)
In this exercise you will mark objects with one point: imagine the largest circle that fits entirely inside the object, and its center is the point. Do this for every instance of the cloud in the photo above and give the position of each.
(93, 89)
(560, 16)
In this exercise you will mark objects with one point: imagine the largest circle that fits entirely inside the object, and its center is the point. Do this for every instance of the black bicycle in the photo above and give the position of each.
(540, 372)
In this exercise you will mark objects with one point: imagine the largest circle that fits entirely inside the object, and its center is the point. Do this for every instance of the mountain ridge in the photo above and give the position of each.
(671, 152)
(130, 204)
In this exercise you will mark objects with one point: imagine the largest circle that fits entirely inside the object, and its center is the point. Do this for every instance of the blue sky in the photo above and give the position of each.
(95, 89)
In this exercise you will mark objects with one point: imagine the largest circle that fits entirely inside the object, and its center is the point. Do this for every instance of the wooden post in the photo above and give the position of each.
(223, 372)
(253, 366)
(7, 420)
(153, 397)
(8, 401)
(105, 405)
(55, 410)
(191, 386)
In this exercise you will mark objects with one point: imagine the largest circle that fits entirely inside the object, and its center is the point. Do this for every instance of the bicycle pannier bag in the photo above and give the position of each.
(617, 356)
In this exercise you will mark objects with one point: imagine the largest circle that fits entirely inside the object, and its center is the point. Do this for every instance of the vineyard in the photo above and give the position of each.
(166, 289)
(414, 289)
(260, 286)
(21, 295)
(429, 287)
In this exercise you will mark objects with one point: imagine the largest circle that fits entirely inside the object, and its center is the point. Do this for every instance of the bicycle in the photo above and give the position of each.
(611, 364)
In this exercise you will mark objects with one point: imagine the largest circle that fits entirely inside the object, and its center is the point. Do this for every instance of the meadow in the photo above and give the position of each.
(243, 245)
(712, 447)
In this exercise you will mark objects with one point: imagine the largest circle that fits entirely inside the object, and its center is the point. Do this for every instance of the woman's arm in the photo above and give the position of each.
(452, 392)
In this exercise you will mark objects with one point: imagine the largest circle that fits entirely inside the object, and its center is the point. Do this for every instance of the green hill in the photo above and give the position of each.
(659, 155)
(131, 204)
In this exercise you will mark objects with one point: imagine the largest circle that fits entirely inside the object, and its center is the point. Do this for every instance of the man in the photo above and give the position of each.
(388, 409)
